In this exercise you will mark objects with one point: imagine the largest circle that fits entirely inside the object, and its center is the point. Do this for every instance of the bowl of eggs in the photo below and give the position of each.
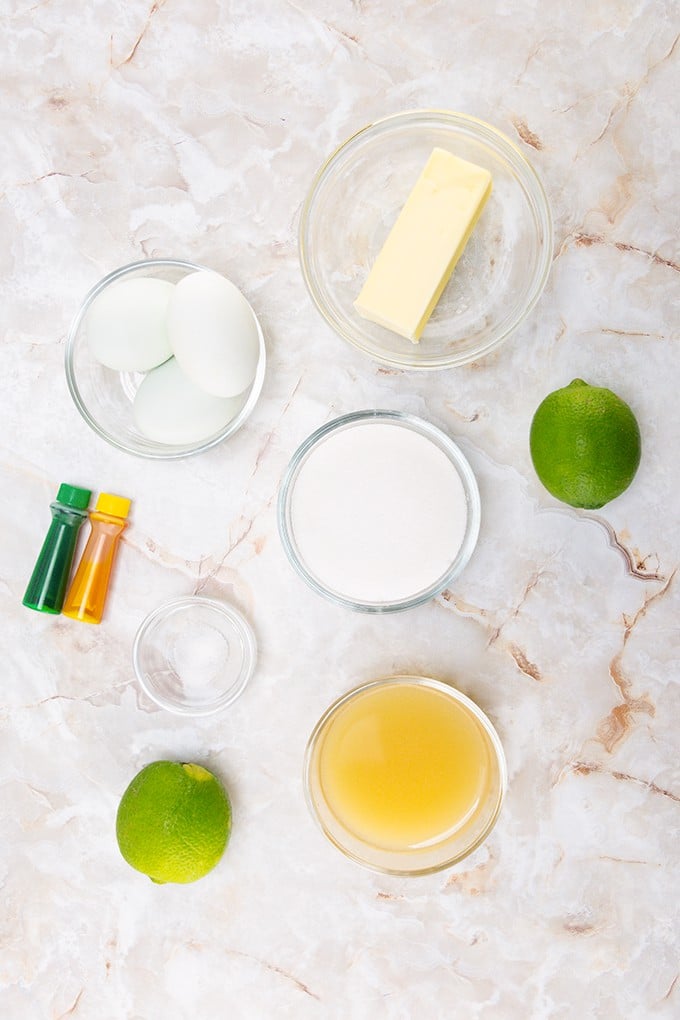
(165, 358)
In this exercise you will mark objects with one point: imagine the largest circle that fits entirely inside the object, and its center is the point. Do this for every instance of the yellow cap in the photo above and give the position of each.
(117, 506)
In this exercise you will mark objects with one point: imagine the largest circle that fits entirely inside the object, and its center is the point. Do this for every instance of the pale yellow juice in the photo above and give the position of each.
(405, 766)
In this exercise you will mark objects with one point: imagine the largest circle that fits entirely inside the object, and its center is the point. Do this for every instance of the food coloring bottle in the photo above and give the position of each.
(47, 587)
(87, 594)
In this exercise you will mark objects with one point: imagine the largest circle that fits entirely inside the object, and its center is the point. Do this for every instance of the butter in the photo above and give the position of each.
(424, 245)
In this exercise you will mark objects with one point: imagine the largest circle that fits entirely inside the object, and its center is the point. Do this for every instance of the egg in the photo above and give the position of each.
(213, 333)
(126, 324)
(169, 408)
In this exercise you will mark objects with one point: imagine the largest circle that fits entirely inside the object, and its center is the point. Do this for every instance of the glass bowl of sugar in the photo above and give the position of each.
(379, 511)
(194, 656)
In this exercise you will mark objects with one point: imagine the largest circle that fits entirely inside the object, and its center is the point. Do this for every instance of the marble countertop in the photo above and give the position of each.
(170, 128)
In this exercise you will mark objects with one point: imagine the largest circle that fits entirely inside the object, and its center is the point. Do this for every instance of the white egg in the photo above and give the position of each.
(213, 333)
(169, 408)
(126, 324)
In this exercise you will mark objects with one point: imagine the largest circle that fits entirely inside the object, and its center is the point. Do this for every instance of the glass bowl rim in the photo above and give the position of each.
(458, 696)
(240, 624)
(509, 148)
(456, 457)
(174, 451)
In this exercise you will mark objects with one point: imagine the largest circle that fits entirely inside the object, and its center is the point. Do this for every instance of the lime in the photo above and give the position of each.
(585, 444)
(173, 822)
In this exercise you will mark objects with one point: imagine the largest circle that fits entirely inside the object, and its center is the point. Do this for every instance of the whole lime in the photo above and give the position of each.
(585, 444)
(173, 822)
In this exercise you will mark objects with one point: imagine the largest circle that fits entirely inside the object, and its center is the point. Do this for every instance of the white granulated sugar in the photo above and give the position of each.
(378, 512)
(199, 656)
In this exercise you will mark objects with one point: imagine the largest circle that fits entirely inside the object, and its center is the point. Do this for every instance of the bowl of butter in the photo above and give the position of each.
(165, 358)
(426, 239)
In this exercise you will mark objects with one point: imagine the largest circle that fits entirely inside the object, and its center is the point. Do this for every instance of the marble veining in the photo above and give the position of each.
(165, 128)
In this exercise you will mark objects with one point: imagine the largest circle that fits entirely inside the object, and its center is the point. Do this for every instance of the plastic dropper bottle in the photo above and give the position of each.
(87, 594)
(47, 586)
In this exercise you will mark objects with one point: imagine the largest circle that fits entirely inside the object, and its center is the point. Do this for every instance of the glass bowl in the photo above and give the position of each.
(356, 545)
(438, 810)
(353, 203)
(104, 396)
(194, 656)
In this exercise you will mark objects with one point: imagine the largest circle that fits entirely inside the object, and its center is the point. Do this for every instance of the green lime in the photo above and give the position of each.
(585, 444)
(173, 822)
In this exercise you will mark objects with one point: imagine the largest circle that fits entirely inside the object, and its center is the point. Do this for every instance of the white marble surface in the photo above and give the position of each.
(192, 130)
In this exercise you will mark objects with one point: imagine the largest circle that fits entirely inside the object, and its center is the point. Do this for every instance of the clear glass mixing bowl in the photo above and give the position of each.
(355, 199)
(104, 396)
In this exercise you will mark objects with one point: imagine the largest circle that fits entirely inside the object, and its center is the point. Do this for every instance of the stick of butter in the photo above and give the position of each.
(424, 245)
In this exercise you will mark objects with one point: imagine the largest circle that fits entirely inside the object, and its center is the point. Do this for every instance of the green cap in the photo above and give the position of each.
(71, 495)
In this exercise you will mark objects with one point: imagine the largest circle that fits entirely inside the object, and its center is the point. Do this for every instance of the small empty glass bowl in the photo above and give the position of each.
(104, 396)
(354, 201)
(405, 775)
(193, 656)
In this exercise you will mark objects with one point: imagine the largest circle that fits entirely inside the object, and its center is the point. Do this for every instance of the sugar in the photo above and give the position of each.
(378, 512)
(199, 655)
